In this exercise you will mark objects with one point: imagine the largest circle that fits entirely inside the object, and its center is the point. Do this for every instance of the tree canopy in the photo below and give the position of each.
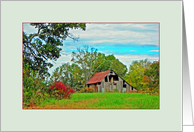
(44, 45)
(108, 62)
(136, 72)
(85, 57)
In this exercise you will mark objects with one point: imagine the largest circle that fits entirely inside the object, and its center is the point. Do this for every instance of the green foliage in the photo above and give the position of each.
(70, 75)
(85, 57)
(153, 77)
(108, 62)
(34, 88)
(135, 75)
(144, 76)
(44, 45)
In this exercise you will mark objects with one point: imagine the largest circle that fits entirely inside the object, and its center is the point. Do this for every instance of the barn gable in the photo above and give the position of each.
(108, 80)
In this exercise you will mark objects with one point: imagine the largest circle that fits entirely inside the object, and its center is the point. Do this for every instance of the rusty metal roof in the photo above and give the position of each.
(98, 77)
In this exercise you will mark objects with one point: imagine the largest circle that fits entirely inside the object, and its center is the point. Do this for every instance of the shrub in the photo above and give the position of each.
(34, 88)
(82, 90)
(59, 90)
(153, 90)
(87, 90)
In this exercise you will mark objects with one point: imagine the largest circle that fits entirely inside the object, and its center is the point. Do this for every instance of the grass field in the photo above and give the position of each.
(102, 101)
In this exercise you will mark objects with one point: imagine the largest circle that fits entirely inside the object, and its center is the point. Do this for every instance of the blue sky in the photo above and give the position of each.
(128, 42)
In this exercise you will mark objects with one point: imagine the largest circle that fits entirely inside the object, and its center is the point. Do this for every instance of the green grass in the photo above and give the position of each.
(104, 101)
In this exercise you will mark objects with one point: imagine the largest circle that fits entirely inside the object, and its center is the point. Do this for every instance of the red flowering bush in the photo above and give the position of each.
(61, 91)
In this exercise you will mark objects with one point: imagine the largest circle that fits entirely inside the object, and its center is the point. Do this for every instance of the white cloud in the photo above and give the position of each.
(102, 33)
(29, 29)
(128, 59)
(61, 60)
(113, 26)
(141, 34)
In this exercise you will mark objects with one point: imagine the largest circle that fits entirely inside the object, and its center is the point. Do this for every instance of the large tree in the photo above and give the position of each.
(153, 77)
(108, 62)
(136, 73)
(45, 44)
(85, 57)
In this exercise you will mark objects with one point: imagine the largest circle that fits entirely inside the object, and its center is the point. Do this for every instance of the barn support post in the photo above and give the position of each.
(111, 84)
(102, 85)
(121, 86)
(108, 83)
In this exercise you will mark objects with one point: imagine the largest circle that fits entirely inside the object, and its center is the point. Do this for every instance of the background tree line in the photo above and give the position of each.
(144, 75)
(86, 62)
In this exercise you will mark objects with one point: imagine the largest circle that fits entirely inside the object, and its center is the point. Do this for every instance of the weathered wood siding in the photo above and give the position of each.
(120, 86)
(99, 88)
(112, 81)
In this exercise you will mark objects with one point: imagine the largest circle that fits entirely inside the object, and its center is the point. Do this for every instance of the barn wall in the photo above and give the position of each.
(107, 86)
(120, 86)
(99, 88)
(114, 87)
(127, 87)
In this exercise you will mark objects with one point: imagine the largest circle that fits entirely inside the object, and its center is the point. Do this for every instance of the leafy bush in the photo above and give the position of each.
(153, 90)
(60, 91)
(34, 88)
(87, 90)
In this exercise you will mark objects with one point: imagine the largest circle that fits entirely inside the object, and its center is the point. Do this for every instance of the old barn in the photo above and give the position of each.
(108, 80)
